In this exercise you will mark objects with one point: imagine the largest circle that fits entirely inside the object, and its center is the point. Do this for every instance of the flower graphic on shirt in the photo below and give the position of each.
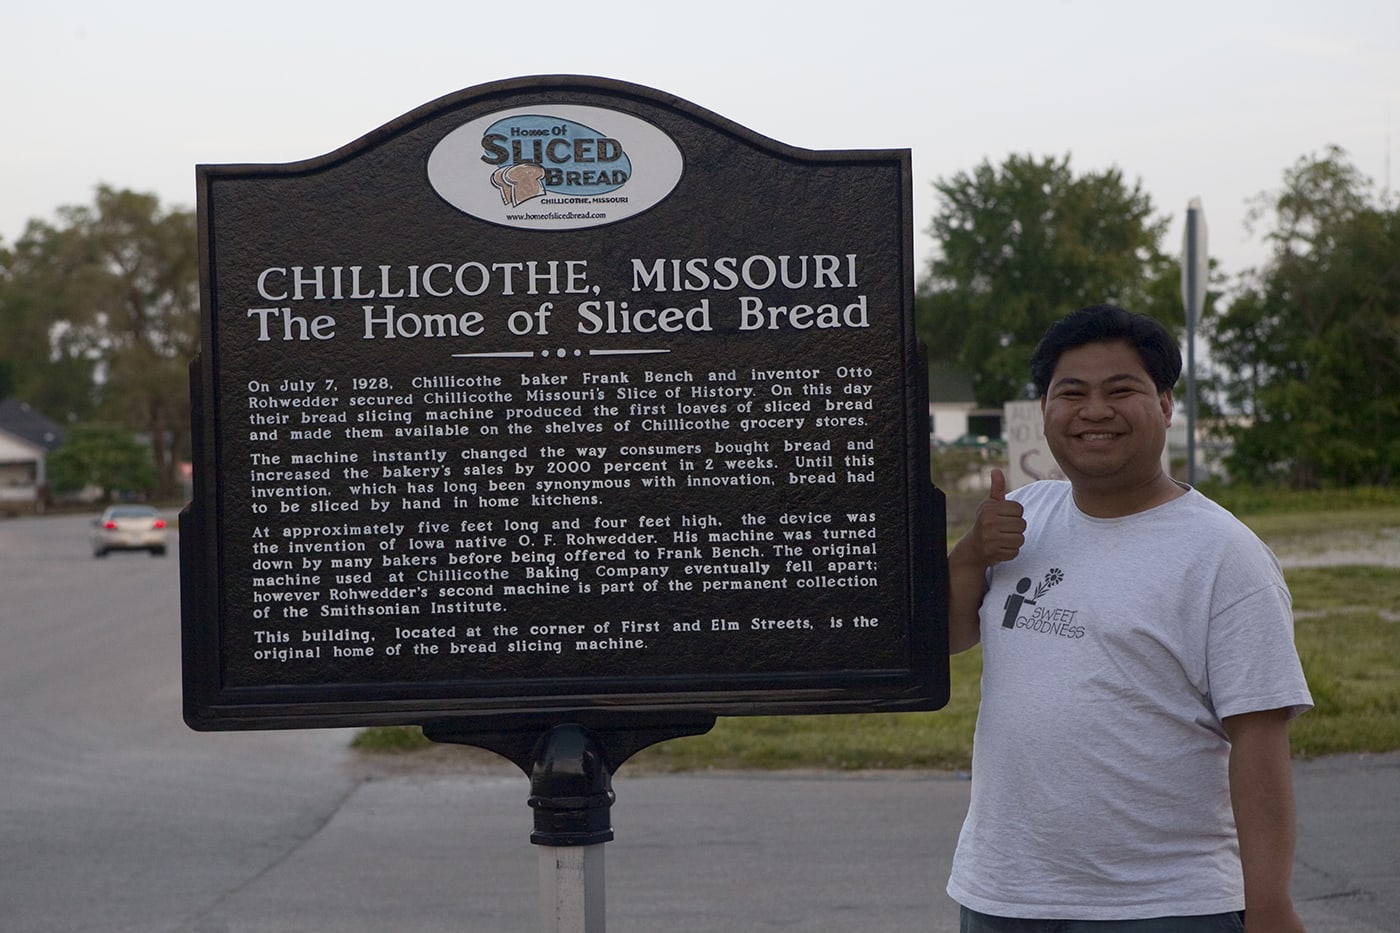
(1023, 610)
(1056, 575)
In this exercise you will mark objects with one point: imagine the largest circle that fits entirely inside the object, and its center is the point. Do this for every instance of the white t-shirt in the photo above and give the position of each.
(1112, 649)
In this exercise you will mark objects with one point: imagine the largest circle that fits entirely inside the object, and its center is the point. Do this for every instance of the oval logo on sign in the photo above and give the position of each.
(555, 167)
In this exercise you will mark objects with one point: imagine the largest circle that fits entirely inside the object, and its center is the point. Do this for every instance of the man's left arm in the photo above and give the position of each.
(1261, 792)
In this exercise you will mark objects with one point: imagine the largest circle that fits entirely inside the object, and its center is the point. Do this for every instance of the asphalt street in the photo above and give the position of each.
(114, 817)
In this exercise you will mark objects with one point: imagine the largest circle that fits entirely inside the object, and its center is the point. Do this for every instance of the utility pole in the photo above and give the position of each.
(1195, 270)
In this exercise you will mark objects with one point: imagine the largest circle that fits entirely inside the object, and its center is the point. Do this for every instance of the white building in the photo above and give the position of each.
(952, 408)
(26, 440)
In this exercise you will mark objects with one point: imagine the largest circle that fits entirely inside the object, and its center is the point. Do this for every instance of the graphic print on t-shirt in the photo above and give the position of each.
(1050, 620)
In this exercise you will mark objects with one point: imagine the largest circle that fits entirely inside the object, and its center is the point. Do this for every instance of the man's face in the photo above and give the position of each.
(1105, 421)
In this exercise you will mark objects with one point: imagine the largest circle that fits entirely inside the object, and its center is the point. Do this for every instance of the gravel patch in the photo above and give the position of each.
(1340, 548)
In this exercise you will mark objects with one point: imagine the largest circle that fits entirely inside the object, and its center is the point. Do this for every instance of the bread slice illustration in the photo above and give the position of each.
(518, 183)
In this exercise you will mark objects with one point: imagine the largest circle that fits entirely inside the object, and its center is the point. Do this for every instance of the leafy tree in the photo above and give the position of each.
(1022, 244)
(43, 355)
(109, 298)
(1310, 344)
(103, 456)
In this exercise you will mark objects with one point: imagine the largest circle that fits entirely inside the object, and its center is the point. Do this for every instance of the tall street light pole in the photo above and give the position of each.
(1195, 268)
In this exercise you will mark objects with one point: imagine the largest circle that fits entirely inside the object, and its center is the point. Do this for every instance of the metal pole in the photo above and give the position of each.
(571, 793)
(1192, 292)
(570, 768)
(1191, 401)
(572, 894)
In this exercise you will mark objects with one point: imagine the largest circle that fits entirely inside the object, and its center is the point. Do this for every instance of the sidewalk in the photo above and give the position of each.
(715, 853)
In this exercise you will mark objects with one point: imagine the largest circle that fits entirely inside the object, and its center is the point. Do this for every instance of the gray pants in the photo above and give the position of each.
(973, 922)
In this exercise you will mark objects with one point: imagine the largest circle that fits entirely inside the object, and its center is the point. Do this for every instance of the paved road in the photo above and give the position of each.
(115, 818)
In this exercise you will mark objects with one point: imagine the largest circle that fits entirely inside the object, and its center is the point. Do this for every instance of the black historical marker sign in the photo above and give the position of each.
(559, 394)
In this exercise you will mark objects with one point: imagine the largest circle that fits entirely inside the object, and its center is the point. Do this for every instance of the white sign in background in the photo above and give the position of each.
(1026, 449)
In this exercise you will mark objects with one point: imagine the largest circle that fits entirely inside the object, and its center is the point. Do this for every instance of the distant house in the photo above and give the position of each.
(952, 407)
(26, 440)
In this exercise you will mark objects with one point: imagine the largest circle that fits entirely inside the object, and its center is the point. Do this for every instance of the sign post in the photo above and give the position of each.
(1195, 274)
(560, 403)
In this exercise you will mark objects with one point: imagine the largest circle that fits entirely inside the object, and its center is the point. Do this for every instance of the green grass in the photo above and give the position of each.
(1347, 633)
(1249, 500)
(1349, 639)
(389, 740)
(1324, 530)
(938, 740)
(1349, 588)
(1349, 645)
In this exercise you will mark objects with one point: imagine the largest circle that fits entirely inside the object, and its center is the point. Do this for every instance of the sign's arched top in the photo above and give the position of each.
(555, 167)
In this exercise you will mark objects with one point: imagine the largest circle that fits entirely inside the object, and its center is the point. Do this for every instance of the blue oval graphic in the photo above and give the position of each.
(571, 158)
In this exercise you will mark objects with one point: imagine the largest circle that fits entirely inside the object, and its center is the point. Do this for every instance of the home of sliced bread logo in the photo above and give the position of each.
(555, 167)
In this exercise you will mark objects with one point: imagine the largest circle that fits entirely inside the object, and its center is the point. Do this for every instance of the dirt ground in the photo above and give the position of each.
(1379, 547)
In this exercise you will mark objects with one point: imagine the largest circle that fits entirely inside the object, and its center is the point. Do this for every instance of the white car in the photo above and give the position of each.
(129, 528)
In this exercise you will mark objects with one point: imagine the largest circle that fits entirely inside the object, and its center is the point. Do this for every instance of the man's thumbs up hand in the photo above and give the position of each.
(998, 485)
(998, 531)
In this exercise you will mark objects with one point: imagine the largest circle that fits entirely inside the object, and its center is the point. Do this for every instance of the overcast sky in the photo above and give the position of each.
(1210, 99)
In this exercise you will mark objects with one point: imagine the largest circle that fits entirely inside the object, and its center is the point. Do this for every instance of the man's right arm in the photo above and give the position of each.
(997, 534)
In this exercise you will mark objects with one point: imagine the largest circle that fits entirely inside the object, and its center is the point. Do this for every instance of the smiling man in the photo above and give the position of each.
(1131, 766)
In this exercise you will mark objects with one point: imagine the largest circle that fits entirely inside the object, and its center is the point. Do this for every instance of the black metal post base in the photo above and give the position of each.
(571, 789)
(570, 766)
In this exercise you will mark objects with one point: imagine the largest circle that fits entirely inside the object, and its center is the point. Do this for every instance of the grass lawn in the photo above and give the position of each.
(1347, 634)
(1349, 639)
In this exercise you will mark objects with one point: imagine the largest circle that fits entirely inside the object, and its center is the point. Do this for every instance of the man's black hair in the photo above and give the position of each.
(1160, 355)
